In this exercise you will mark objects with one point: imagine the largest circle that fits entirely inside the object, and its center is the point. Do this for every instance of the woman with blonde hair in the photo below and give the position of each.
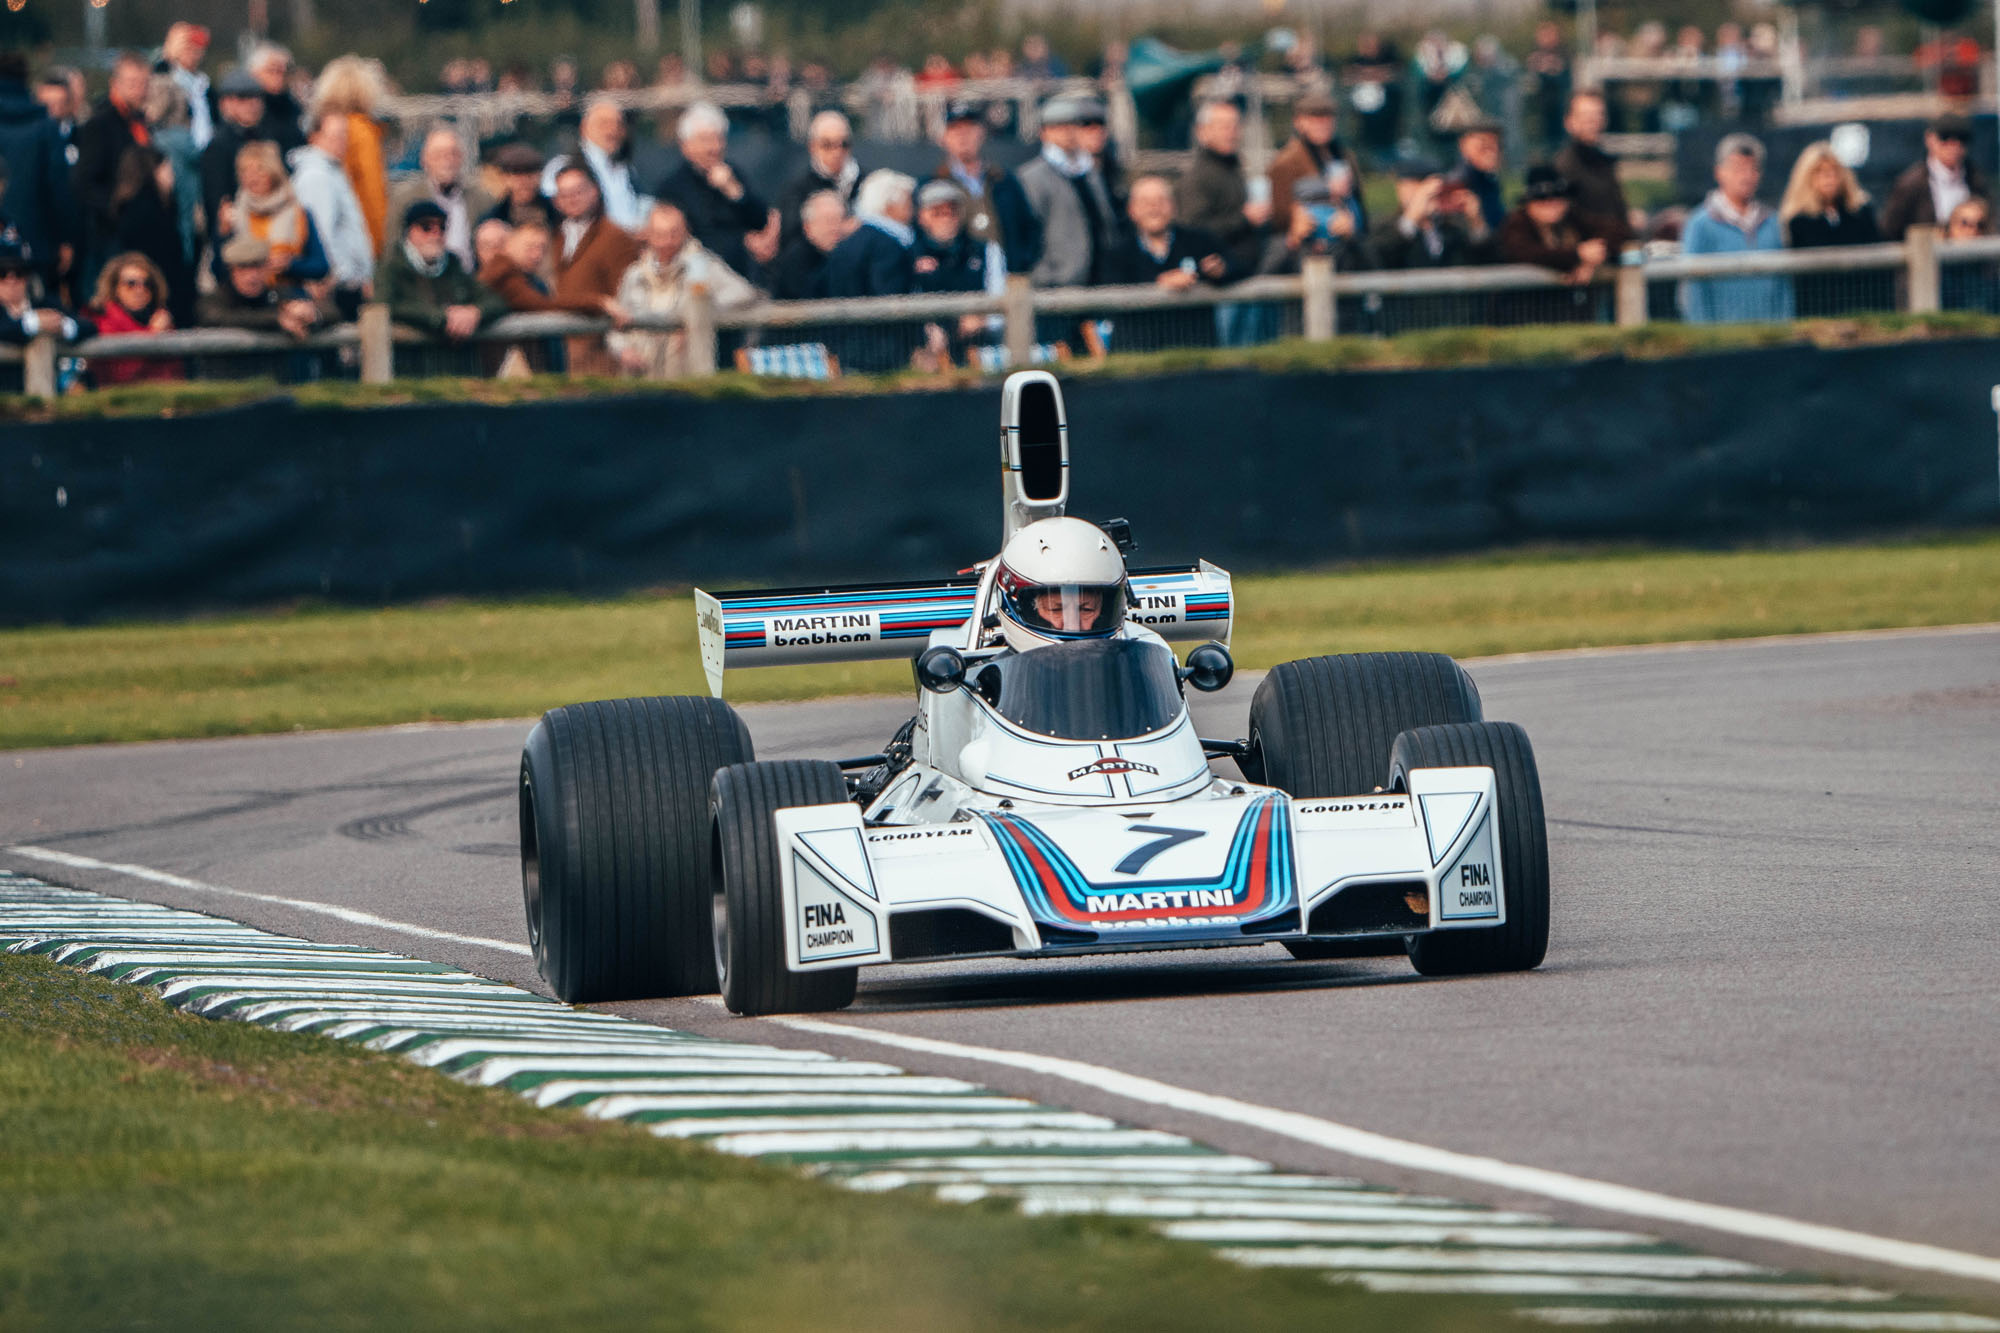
(353, 86)
(1825, 205)
(267, 209)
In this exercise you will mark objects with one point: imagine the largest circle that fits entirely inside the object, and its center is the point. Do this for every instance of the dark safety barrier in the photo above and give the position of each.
(270, 503)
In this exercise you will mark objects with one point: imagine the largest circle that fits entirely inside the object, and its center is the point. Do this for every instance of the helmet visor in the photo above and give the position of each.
(1069, 610)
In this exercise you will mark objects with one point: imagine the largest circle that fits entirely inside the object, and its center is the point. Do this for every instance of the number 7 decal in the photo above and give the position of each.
(1163, 839)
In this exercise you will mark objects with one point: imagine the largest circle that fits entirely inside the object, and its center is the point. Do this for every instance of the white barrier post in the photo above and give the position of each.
(1018, 309)
(1319, 309)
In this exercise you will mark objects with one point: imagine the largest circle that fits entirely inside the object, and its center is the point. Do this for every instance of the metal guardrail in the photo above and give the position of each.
(1919, 260)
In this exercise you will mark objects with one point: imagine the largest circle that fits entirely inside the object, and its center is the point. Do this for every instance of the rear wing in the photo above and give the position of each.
(884, 621)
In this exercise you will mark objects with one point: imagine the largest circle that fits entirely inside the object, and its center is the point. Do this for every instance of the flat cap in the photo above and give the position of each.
(424, 210)
(518, 159)
(1417, 169)
(1951, 125)
(238, 83)
(1315, 103)
(245, 251)
(963, 110)
(940, 192)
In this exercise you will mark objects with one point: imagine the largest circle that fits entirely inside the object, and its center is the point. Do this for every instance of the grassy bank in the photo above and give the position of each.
(1532, 345)
(320, 668)
(163, 1171)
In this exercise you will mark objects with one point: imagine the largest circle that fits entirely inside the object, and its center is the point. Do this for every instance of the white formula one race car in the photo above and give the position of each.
(1049, 798)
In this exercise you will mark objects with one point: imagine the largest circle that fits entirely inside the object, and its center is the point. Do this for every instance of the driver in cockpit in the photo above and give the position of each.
(1060, 580)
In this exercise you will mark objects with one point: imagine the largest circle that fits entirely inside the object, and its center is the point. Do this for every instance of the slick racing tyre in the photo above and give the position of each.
(1322, 726)
(1524, 847)
(615, 857)
(749, 923)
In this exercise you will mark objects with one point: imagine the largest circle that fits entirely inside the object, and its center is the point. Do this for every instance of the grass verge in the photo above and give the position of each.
(1530, 345)
(165, 1171)
(320, 668)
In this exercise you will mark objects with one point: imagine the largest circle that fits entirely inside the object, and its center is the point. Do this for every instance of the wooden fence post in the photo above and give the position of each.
(1631, 293)
(1319, 317)
(38, 369)
(1018, 310)
(378, 344)
(1921, 256)
(700, 330)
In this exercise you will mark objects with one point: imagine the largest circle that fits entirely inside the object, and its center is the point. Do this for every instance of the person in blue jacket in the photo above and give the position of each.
(877, 258)
(1732, 221)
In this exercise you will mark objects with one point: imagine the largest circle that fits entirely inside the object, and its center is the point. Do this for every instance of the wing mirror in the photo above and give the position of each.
(1209, 667)
(942, 669)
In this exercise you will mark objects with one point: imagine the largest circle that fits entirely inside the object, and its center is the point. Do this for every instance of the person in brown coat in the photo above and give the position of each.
(591, 256)
(1547, 230)
(1926, 193)
(1315, 149)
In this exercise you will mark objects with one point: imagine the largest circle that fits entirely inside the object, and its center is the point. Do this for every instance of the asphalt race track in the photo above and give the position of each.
(1771, 986)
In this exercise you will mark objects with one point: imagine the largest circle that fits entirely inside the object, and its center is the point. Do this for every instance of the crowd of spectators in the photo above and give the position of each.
(264, 200)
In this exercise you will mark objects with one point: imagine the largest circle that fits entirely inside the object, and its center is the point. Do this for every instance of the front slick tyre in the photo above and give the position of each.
(615, 858)
(749, 921)
(1524, 846)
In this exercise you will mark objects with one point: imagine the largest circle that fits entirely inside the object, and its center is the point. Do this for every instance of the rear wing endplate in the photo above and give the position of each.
(884, 621)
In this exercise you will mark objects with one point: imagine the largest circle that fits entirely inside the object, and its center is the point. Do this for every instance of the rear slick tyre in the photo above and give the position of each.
(1518, 823)
(748, 909)
(615, 855)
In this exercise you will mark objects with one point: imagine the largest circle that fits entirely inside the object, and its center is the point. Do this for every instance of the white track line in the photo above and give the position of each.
(347, 914)
(1371, 1146)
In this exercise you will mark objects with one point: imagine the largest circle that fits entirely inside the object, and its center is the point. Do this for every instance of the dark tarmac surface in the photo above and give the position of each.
(1772, 981)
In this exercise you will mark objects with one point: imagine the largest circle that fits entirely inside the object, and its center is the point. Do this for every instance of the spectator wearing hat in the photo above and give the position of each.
(830, 165)
(1067, 202)
(1546, 230)
(996, 211)
(1162, 253)
(248, 299)
(591, 255)
(35, 165)
(443, 181)
(660, 282)
(22, 317)
(1436, 226)
(1926, 194)
(1592, 172)
(602, 145)
(722, 212)
(1315, 149)
(800, 272)
(352, 87)
(239, 120)
(1731, 221)
(132, 298)
(946, 257)
(521, 199)
(319, 179)
(425, 285)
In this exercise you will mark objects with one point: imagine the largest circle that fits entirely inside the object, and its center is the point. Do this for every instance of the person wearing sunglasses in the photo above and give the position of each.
(132, 298)
(426, 287)
(1926, 194)
(830, 165)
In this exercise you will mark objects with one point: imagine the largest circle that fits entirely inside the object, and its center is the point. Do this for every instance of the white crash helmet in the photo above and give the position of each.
(1060, 579)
